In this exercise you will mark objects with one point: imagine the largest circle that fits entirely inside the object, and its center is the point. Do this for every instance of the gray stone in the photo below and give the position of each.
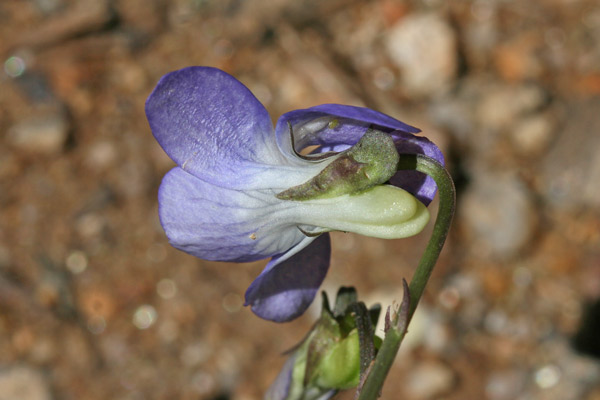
(101, 155)
(502, 104)
(482, 111)
(429, 379)
(571, 169)
(455, 115)
(42, 134)
(423, 46)
(498, 213)
(561, 374)
(505, 385)
(23, 383)
(532, 135)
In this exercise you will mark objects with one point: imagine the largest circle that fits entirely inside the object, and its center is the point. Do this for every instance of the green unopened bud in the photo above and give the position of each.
(329, 358)
(340, 366)
(371, 162)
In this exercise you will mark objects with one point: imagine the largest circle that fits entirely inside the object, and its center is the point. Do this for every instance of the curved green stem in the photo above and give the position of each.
(387, 353)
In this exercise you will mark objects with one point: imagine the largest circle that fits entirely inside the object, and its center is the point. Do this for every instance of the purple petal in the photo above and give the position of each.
(212, 126)
(420, 185)
(314, 126)
(332, 125)
(288, 284)
(215, 223)
(280, 388)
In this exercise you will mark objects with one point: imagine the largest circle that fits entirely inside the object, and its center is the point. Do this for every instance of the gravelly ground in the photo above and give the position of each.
(94, 304)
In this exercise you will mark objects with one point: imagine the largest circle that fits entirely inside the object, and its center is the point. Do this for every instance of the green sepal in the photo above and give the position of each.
(340, 367)
(370, 162)
(325, 335)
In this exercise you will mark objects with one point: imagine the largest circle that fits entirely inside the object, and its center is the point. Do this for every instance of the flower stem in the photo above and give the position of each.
(371, 388)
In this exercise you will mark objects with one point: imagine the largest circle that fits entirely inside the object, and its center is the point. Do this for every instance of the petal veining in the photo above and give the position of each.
(212, 126)
(216, 223)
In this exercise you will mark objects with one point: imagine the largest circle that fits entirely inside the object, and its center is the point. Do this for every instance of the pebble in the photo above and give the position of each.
(423, 47)
(571, 168)
(134, 178)
(428, 380)
(455, 115)
(532, 135)
(23, 383)
(5, 257)
(481, 35)
(481, 111)
(195, 354)
(42, 134)
(101, 155)
(49, 6)
(498, 213)
(517, 59)
(86, 17)
(202, 383)
(501, 105)
(505, 385)
(561, 374)
(9, 165)
(427, 329)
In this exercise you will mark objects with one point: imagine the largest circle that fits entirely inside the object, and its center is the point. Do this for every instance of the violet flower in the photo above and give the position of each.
(220, 202)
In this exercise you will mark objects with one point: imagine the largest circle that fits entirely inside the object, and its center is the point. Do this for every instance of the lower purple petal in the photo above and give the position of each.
(287, 285)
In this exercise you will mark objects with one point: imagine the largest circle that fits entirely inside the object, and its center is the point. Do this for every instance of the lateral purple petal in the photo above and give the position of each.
(216, 223)
(420, 185)
(212, 126)
(287, 285)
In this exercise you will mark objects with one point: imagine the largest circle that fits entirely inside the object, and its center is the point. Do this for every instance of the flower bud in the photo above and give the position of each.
(340, 366)
(329, 358)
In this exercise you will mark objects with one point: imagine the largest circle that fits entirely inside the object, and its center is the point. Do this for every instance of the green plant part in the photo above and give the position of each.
(371, 162)
(340, 367)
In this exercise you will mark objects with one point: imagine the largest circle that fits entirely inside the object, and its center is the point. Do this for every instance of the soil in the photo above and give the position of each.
(95, 304)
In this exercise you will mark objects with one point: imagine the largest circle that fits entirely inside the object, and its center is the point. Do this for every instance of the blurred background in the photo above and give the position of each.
(94, 303)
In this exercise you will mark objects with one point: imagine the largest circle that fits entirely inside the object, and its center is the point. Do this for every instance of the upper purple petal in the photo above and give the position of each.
(212, 126)
(337, 127)
(216, 223)
(332, 125)
(289, 282)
